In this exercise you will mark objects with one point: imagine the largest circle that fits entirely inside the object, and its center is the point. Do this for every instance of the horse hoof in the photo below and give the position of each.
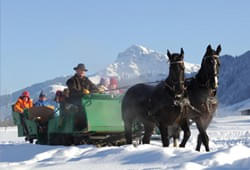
(197, 150)
(182, 146)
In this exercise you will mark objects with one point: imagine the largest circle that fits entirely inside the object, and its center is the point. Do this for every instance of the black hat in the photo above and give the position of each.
(42, 94)
(80, 66)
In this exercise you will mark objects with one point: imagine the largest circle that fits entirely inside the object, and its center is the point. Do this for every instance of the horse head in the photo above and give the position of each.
(175, 79)
(210, 67)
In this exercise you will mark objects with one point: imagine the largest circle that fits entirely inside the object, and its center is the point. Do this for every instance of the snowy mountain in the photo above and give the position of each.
(234, 80)
(140, 64)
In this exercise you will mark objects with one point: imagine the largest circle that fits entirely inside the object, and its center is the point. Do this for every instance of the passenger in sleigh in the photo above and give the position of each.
(58, 101)
(42, 111)
(103, 86)
(43, 101)
(23, 102)
(113, 87)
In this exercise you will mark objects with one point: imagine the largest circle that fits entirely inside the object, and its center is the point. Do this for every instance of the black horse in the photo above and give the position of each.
(202, 95)
(152, 105)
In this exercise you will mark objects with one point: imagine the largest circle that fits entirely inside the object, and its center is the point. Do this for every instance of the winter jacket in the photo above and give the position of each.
(41, 103)
(21, 105)
(45, 103)
(77, 85)
(56, 106)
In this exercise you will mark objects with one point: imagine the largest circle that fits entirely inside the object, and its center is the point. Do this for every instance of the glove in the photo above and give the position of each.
(101, 90)
(86, 91)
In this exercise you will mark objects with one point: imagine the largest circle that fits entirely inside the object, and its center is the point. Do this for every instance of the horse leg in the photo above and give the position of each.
(174, 132)
(187, 133)
(202, 137)
(164, 135)
(148, 130)
(128, 131)
(205, 141)
(198, 147)
(175, 141)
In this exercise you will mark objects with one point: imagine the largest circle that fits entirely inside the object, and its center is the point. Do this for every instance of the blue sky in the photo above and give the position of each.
(44, 39)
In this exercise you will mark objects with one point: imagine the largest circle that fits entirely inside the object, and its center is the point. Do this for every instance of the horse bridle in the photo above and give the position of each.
(176, 62)
(181, 82)
(215, 76)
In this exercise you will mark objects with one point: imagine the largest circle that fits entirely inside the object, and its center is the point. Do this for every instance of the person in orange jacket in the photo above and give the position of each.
(23, 102)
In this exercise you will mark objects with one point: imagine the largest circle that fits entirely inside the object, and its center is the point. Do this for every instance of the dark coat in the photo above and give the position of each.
(76, 86)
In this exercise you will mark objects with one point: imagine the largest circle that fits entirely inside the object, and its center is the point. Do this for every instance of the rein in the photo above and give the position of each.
(171, 88)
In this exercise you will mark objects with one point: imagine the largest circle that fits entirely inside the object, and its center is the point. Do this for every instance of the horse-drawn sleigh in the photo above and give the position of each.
(113, 120)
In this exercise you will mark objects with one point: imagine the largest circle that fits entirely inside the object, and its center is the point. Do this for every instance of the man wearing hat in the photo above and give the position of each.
(79, 85)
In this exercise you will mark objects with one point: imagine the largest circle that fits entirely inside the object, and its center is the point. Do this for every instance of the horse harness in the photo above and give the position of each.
(179, 99)
(211, 100)
(173, 88)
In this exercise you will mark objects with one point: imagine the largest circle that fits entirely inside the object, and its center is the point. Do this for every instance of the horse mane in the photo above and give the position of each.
(201, 76)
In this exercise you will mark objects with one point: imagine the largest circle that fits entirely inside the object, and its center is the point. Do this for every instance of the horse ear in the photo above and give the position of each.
(218, 50)
(182, 52)
(209, 48)
(169, 54)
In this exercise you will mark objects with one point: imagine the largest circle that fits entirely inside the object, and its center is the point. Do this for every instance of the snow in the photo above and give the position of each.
(191, 68)
(229, 144)
(95, 79)
(55, 87)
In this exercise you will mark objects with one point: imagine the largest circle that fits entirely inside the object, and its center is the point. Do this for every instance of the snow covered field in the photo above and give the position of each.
(229, 144)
